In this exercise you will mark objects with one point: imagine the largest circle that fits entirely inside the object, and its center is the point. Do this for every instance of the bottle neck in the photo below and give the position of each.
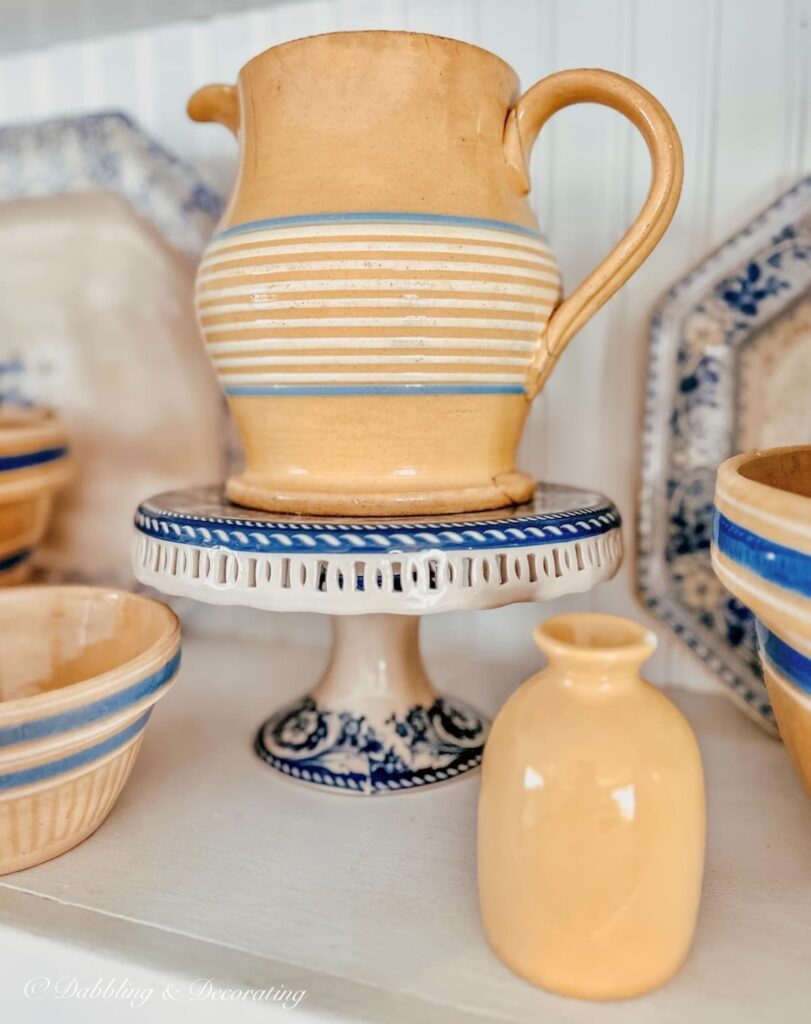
(594, 654)
(595, 675)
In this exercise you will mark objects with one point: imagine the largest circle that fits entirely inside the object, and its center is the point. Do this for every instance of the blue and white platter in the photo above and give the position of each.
(730, 361)
(100, 231)
(108, 152)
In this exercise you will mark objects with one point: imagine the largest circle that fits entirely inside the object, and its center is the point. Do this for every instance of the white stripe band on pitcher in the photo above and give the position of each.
(275, 344)
(358, 360)
(453, 301)
(416, 320)
(500, 305)
(388, 378)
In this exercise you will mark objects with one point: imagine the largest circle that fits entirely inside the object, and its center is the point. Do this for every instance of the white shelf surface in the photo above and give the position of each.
(213, 866)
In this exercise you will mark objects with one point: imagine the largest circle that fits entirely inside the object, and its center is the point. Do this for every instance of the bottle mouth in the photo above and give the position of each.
(593, 637)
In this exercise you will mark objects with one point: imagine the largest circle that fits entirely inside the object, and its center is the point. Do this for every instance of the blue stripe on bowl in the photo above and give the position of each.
(788, 662)
(65, 764)
(374, 389)
(775, 563)
(9, 562)
(37, 458)
(374, 217)
(39, 728)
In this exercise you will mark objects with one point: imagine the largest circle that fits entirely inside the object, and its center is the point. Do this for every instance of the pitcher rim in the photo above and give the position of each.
(383, 32)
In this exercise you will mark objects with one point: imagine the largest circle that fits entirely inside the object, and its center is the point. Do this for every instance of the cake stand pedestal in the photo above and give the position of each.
(375, 723)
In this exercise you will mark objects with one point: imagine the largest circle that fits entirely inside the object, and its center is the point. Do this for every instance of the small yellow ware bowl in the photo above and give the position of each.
(80, 671)
(762, 554)
(34, 464)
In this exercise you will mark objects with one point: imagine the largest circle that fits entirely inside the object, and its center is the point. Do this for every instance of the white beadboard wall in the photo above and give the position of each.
(734, 74)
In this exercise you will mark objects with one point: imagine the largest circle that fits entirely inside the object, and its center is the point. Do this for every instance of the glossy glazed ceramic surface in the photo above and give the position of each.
(374, 723)
(80, 670)
(762, 554)
(591, 818)
(196, 544)
(34, 464)
(380, 311)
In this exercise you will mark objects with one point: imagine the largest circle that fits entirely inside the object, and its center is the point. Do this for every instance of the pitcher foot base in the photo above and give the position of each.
(505, 490)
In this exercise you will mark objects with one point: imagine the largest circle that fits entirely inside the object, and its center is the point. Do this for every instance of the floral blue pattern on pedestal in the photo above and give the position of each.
(693, 407)
(341, 750)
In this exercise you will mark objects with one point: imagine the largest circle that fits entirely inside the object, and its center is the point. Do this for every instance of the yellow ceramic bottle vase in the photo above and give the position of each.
(591, 818)
(378, 302)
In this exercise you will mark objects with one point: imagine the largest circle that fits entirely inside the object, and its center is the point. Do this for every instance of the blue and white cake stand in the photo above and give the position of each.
(375, 723)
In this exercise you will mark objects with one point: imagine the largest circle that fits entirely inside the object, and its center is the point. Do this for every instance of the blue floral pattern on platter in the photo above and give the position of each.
(103, 152)
(340, 750)
(11, 392)
(107, 152)
(694, 405)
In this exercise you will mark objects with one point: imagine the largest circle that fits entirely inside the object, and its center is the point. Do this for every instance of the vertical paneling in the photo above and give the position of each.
(584, 189)
(674, 57)
(455, 18)
(798, 67)
(735, 75)
(524, 35)
(372, 14)
(752, 136)
(585, 196)
(800, 27)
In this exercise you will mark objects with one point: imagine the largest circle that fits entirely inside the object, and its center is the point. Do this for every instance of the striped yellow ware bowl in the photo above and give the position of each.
(80, 671)
(762, 554)
(34, 464)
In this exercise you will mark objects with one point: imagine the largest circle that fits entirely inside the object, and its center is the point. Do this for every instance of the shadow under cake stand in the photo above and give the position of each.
(375, 723)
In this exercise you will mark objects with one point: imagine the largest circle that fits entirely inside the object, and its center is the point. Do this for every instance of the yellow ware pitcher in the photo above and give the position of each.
(378, 302)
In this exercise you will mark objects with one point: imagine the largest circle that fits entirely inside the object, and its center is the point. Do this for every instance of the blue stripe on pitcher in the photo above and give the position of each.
(251, 390)
(367, 216)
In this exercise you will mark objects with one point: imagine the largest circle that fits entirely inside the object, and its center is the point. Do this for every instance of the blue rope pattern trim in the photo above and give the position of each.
(23, 459)
(773, 562)
(87, 713)
(788, 662)
(15, 558)
(65, 764)
(297, 390)
(373, 217)
(294, 538)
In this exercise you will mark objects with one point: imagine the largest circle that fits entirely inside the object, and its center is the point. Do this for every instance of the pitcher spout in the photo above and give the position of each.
(216, 103)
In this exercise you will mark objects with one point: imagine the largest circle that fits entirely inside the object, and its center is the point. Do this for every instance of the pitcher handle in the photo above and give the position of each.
(215, 103)
(528, 116)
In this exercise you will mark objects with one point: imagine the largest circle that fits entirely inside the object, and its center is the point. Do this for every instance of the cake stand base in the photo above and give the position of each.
(374, 723)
